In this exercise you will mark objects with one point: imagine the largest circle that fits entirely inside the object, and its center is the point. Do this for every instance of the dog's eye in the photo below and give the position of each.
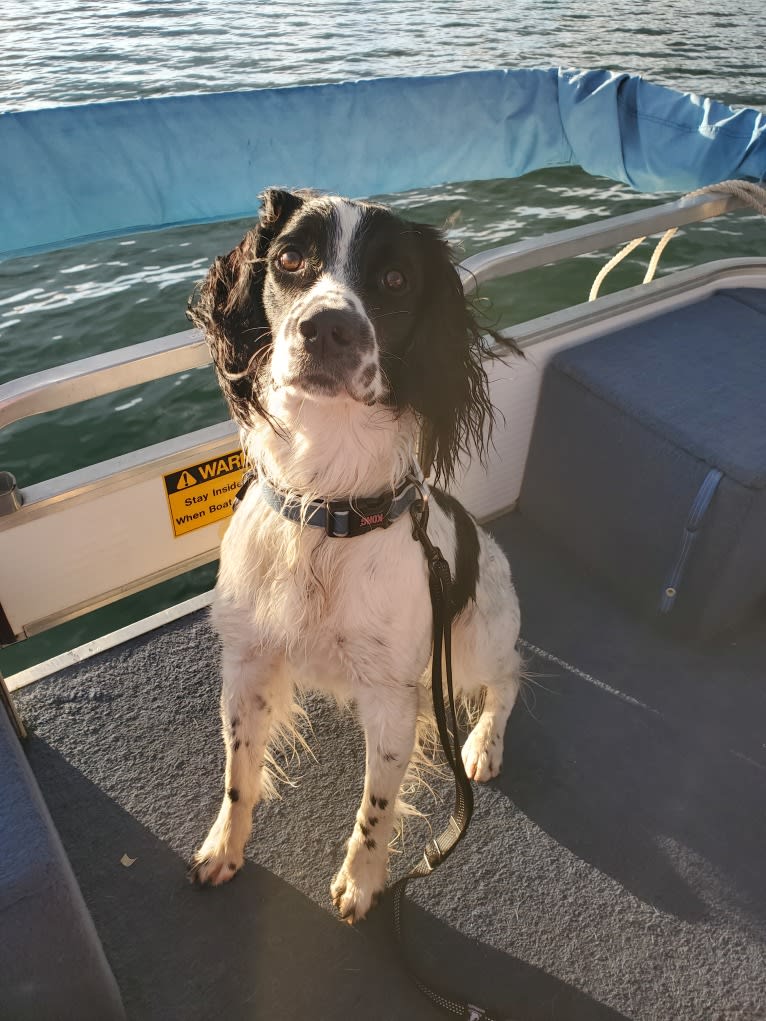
(290, 260)
(394, 280)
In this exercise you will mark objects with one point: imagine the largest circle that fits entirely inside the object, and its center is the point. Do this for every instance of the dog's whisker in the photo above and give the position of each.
(384, 315)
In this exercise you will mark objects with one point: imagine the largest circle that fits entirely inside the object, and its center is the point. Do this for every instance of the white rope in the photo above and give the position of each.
(749, 194)
(623, 253)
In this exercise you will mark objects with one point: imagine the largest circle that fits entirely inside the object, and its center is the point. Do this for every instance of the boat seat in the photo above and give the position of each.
(52, 963)
(648, 460)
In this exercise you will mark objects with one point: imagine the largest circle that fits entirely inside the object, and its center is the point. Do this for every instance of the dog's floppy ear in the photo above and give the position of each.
(444, 378)
(228, 306)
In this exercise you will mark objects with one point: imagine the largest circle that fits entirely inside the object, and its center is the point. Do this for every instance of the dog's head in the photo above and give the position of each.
(345, 300)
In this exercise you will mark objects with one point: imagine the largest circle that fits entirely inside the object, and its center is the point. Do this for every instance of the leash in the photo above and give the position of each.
(344, 519)
(441, 847)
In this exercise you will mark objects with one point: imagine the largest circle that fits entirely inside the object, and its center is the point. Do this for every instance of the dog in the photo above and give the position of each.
(341, 335)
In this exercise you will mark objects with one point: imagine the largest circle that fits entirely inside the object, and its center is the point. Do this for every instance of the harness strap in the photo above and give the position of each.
(412, 494)
(441, 847)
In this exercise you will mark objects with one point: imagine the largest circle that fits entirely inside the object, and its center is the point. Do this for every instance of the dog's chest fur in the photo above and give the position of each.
(344, 612)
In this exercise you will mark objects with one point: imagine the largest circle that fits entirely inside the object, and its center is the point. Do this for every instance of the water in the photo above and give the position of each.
(70, 304)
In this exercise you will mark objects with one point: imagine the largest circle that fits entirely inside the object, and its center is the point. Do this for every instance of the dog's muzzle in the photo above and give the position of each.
(329, 346)
(335, 335)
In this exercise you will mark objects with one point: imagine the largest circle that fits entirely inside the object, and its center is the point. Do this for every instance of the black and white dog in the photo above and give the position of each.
(340, 331)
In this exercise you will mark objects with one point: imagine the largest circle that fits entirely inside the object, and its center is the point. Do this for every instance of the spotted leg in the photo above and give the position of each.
(249, 698)
(389, 725)
(483, 748)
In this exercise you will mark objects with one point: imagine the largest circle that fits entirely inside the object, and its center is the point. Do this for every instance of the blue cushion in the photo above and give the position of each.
(51, 960)
(648, 459)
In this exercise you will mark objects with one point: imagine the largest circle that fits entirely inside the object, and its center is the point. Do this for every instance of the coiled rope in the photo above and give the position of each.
(750, 194)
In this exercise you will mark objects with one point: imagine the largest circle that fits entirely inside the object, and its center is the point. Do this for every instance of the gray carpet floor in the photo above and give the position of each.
(615, 870)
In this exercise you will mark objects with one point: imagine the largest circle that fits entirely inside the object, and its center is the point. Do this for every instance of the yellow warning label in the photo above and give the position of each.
(203, 493)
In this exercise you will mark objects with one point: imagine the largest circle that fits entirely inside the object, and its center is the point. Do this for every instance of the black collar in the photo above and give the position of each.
(339, 519)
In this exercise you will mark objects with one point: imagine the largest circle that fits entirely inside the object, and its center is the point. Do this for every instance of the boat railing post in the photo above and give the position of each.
(10, 494)
(10, 708)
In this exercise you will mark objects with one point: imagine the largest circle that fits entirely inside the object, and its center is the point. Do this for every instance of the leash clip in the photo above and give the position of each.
(419, 509)
(248, 478)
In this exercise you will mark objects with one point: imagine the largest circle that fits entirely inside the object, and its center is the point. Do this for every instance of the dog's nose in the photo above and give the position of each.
(328, 330)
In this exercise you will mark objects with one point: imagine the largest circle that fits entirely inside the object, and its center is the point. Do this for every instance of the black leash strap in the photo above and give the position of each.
(440, 848)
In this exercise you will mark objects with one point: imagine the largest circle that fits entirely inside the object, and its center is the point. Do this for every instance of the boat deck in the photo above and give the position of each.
(614, 870)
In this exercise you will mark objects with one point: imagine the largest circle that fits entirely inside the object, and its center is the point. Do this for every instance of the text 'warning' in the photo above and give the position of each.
(203, 493)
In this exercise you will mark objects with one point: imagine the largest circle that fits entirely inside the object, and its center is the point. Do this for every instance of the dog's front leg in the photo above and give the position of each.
(389, 716)
(251, 693)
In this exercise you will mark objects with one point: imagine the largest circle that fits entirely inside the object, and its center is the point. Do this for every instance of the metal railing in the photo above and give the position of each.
(590, 237)
(101, 374)
(79, 525)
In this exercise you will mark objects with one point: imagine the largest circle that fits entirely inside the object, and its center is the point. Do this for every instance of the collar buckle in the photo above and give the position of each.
(371, 512)
(344, 519)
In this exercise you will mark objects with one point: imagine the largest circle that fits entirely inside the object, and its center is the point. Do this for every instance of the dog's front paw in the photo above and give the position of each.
(356, 889)
(214, 865)
(482, 754)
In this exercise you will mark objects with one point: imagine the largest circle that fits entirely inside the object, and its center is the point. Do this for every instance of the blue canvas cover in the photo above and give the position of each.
(72, 174)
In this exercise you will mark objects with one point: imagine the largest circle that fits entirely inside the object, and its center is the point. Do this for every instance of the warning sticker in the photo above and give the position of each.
(204, 492)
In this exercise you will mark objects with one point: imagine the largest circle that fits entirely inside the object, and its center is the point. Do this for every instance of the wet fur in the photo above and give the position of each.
(352, 617)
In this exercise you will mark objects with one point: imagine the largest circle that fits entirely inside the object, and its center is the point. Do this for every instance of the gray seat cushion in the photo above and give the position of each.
(648, 459)
(52, 963)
